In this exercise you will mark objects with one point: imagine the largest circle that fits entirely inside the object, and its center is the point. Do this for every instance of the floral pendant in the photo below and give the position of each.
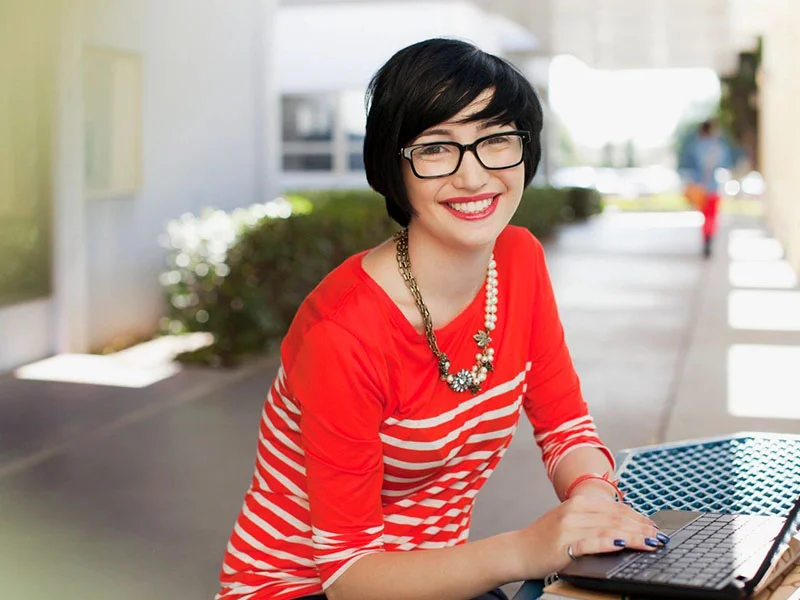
(463, 381)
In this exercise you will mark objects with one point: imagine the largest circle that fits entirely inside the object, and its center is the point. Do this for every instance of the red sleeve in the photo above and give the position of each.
(341, 408)
(553, 400)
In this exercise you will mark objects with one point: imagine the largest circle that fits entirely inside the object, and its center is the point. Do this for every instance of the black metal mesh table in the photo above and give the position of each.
(748, 473)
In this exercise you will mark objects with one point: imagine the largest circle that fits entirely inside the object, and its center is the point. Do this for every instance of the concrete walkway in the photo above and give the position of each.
(131, 494)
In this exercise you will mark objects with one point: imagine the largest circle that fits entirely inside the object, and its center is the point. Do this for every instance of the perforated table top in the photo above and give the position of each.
(749, 473)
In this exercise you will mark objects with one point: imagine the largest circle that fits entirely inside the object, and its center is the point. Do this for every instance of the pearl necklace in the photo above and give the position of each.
(464, 379)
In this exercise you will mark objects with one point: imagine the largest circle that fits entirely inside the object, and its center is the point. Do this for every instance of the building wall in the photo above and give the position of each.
(200, 143)
(328, 52)
(27, 63)
(780, 123)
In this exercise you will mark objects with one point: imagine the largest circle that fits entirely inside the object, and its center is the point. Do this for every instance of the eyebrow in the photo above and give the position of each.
(484, 125)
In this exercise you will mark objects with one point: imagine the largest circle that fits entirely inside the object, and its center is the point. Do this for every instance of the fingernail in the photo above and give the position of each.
(652, 542)
(663, 538)
(620, 543)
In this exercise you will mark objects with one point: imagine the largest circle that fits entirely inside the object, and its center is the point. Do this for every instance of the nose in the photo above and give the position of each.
(471, 173)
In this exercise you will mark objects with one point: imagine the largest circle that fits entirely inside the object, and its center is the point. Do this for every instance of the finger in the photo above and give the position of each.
(635, 541)
(604, 541)
(598, 545)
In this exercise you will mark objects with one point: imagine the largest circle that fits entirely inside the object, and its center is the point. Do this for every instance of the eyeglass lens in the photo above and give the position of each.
(495, 152)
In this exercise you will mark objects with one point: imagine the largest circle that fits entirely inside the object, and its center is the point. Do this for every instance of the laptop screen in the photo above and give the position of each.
(790, 528)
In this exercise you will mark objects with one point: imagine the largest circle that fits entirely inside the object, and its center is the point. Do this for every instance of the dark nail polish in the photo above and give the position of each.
(652, 542)
(663, 538)
(620, 543)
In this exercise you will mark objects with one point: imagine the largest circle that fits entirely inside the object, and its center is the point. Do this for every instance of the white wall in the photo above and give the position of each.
(25, 332)
(200, 142)
(339, 47)
(780, 123)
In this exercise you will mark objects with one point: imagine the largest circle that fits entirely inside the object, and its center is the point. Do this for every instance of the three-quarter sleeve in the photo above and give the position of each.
(336, 386)
(553, 400)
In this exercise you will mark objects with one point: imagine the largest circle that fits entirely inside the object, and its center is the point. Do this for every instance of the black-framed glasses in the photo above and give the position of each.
(494, 152)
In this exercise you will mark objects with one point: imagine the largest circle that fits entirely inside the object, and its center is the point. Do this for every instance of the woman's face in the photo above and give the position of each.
(469, 208)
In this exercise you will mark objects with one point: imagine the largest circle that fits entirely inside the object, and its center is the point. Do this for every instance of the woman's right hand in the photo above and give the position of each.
(587, 524)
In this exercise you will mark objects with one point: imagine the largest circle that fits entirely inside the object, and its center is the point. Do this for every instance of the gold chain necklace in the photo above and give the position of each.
(464, 379)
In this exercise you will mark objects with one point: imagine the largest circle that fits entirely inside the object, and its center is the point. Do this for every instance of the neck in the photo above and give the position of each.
(446, 276)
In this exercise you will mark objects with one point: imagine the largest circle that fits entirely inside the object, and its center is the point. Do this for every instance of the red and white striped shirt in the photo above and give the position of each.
(361, 447)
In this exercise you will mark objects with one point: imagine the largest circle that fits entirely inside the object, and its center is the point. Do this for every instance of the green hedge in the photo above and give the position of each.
(242, 276)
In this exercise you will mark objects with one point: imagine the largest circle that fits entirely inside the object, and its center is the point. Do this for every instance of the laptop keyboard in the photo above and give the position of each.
(716, 546)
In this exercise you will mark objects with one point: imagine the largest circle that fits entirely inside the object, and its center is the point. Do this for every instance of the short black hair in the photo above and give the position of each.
(706, 126)
(428, 83)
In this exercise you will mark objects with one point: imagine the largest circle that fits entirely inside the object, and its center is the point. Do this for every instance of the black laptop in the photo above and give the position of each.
(710, 555)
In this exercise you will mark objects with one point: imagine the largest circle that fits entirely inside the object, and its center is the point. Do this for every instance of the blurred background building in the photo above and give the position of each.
(117, 116)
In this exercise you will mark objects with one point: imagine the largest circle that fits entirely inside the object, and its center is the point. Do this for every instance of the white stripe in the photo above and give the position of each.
(451, 475)
(266, 527)
(280, 388)
(462, 407)
(557, 446)
(275, 453)
(261, 565)
(434, 489)
(553, 450)
(395, 479)
(415, 522)
(325, 556)
(434, 545)
(272, 552)
(278, 511)
(286, 590)
(551, 469)
(397, 540)
(567, 425)
(290, 406)
(286, 440)
(239, 588)
(453, 527)
(280, 477)
(476, 437)
(321, 533)
(455, 433)
(290, 423)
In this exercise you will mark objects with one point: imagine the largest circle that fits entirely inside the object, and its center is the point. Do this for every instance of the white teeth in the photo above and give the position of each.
(472, 207)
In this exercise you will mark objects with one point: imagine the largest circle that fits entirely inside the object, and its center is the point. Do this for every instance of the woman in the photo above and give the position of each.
(405, 371)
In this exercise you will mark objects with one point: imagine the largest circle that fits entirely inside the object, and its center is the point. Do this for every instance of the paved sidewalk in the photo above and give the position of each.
(131, 494)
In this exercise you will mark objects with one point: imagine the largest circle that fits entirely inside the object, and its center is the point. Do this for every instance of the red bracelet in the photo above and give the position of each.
(586, 476)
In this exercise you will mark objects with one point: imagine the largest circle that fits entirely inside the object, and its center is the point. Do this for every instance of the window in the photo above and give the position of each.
(323, 133)
(354, 117)
(113, 122)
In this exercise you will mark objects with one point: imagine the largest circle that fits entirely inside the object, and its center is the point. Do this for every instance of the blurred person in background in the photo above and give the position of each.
(404, 373)
(700, 158)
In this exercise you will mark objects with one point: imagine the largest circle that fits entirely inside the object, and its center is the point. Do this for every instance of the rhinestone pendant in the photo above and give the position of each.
(462, 381)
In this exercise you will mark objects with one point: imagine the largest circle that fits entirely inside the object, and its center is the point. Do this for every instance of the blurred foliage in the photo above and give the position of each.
(26, 251)
(673, 202)
(242, 276)
(738, 107)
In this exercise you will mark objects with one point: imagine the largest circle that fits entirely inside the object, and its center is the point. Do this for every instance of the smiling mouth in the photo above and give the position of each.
(472, 207)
